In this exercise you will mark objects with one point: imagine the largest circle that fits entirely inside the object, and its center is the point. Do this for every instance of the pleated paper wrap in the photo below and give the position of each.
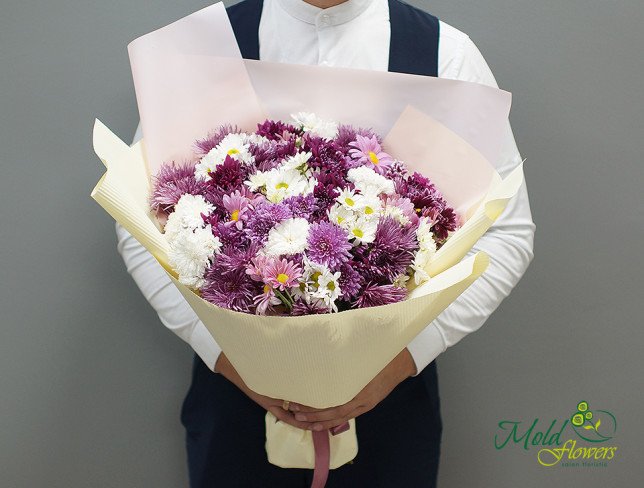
(190, 78)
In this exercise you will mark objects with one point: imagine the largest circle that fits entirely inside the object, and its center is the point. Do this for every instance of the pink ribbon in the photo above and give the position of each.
(321, 446)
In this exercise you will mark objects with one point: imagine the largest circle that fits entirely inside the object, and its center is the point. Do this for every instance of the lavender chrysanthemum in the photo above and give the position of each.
(264, 218)
(348, 133)
(173, 181)
(276, 130)
(328, 244)
(203, 146)
(375, 295)
(301, 205)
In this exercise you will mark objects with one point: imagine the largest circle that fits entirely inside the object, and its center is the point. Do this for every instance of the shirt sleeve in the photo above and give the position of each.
(173, 310)
(508, 242)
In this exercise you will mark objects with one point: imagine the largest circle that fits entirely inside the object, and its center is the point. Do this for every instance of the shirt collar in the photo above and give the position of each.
(339, 14)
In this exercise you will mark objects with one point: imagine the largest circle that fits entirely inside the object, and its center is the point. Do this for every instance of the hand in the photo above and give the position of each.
(400, 368)
(273, 405)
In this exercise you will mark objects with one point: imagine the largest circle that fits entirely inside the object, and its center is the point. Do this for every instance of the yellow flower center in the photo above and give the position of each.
(331, 285)
(358, 232)
(234, 216)
(282, 278)
(281, 185)
(373, 157)
(267, 288)
(315, 276)
(340, 220)
(368, 210)
(349, 201)
(232, 152)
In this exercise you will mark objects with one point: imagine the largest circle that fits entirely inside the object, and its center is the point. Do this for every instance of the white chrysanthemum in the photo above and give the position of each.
(341, 215)
(396, 213)
(350, 199)
(256, 139)
(421, 260)
(281, 184)
(287, 237)
(370, 208)
(257, 181)
(425, 236)
(310, 122)
(233, 145)
(297, 162)
(187, 214)
(369, 182)
(190, 253)
(328, 289)
(363, 231)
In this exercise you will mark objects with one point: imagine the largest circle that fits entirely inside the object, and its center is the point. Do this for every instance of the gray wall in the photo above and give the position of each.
(91, 383)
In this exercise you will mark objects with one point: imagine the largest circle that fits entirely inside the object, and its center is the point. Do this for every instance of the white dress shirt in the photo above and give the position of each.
(356, 34)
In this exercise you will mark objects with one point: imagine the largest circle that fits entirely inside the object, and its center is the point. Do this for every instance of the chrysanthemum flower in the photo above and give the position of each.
(312, 307)
(264, 218)
(350, 199)
(281, 274)
(190, 253)
(238, 208)
(328, 244)
(342, 216)
(204, 146)
(367, 151)
(301, 205)
(369, 182)
(233, 290)
(400, 208)
(375, 295)
(309, 122)
(288, 237)
(362, 231)
(282, 183)
(265, 301)
(170, 183)
(328, 289)
(233, 146)
(188, 214)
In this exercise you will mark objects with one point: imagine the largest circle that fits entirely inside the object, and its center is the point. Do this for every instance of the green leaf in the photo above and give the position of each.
(589, 427)
(599, 422)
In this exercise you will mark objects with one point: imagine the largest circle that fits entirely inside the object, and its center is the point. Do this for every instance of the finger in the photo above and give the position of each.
(287, 417)
(328, 414)
(329, 424)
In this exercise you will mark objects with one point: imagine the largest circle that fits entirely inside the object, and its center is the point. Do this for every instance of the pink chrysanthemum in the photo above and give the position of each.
(238, 208)
(281, 273)
(367, 151)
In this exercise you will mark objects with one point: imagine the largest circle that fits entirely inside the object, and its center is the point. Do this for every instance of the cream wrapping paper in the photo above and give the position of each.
(190, 78)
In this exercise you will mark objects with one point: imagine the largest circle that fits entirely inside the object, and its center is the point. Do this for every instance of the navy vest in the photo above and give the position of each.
(414, 36)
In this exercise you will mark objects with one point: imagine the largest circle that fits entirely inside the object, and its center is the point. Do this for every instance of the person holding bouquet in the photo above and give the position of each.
(399, 428)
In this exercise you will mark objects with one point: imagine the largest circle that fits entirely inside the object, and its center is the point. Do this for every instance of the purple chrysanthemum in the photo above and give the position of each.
(276, 130)
(324, 198)
(203, 146)
(444, 219)
(350, 281)
(390, 253)
(227, 178)
(301, 307)
(171, 182)
(233, 290)
(375, 295)
(264, 218)
(303, 206)
(328, 244)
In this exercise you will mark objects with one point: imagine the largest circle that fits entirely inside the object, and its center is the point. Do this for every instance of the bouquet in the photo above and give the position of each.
(270, 227)
(299, 218)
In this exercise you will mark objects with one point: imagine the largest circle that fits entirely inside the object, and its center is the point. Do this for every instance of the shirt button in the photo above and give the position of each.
(325, 19)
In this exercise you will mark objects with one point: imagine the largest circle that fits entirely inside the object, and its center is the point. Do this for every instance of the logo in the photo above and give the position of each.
(584, 439)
